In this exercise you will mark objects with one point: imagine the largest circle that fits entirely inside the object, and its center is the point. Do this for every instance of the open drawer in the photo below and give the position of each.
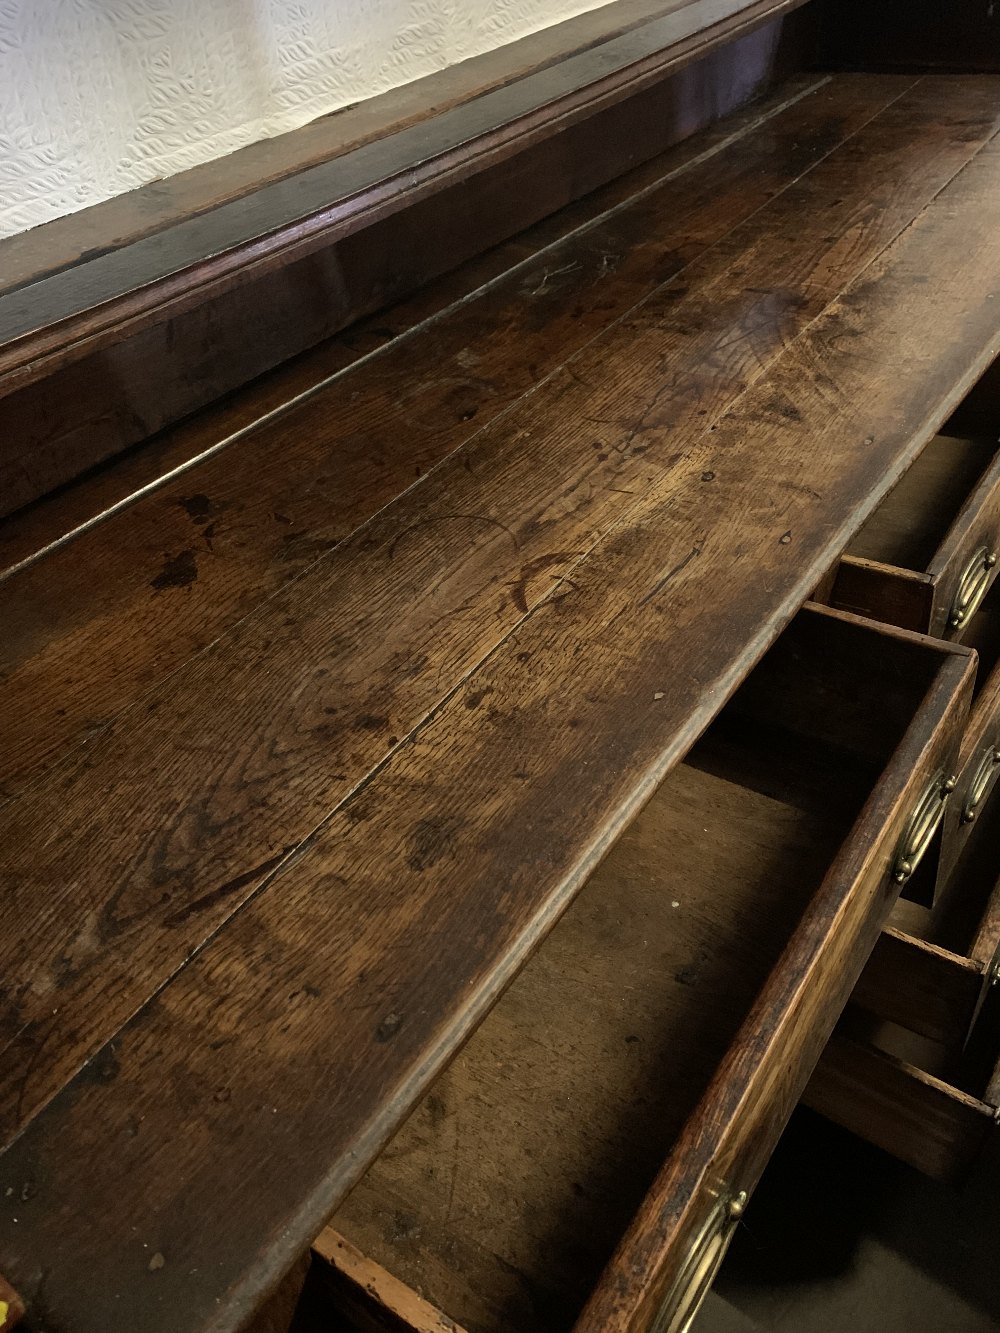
(926, 560)
(927, 556)
(915, 1064)
(617, 1106)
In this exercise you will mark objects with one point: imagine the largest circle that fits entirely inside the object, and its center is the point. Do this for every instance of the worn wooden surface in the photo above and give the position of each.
(319, 472)
(455, 562)
(354, 1292)
(59, 318)
(53, 516)
(517, 650)
(82, 414)
(508, 1188)
(56, 245)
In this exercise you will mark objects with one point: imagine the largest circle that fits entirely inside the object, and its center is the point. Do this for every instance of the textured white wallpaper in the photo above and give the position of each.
(99, 96)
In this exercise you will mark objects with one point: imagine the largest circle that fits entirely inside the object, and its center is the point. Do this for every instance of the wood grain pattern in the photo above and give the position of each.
(298, 1022)
(506, 1191)
(88, 410)
(728, 1139)
(422, 878)
(49, 520)
(456, 564)
(58, 319)
(306, 481)
(900, 1108)
(631, 580)
(65, 241)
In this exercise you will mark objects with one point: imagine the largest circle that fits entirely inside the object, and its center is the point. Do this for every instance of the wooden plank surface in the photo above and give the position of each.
(89, 410)
(307, 480)
(31, 531)
(522, 747)
(238, 756)
(57, 319)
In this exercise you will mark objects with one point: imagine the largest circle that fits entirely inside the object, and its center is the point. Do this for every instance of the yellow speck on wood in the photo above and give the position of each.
(4, 1312)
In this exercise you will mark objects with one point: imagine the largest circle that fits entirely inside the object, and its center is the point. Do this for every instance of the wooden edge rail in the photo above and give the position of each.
(28, 256)
(61, 318)
(363, 1288)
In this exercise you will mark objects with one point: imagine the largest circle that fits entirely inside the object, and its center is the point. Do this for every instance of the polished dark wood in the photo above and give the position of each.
(111, 397)
(57, 319)
(116, 481)
(311, 477)
(227, 839)
(57, 245)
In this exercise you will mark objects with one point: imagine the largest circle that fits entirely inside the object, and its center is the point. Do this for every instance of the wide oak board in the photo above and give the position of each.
(182, 565)
(402, 766)
(236, 758)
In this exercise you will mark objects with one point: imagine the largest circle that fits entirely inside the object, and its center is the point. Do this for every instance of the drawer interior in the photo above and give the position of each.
(505, 1192)
(912, 521)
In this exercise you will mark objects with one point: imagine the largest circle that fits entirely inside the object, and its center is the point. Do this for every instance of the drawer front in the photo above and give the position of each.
(677, 1239)
(679, 1232)
(967, 562)
(977, 771)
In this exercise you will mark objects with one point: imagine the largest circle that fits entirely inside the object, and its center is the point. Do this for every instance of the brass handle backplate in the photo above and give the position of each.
(697, 1273)
(972, 587)
(980, 782)
(923, 823)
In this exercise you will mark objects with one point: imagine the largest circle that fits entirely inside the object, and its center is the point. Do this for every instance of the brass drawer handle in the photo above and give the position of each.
(923, 823)
(980, 781)
(972, 587)
(703, 1260)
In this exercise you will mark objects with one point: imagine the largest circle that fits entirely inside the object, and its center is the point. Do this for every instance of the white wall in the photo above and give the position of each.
(99, 96)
